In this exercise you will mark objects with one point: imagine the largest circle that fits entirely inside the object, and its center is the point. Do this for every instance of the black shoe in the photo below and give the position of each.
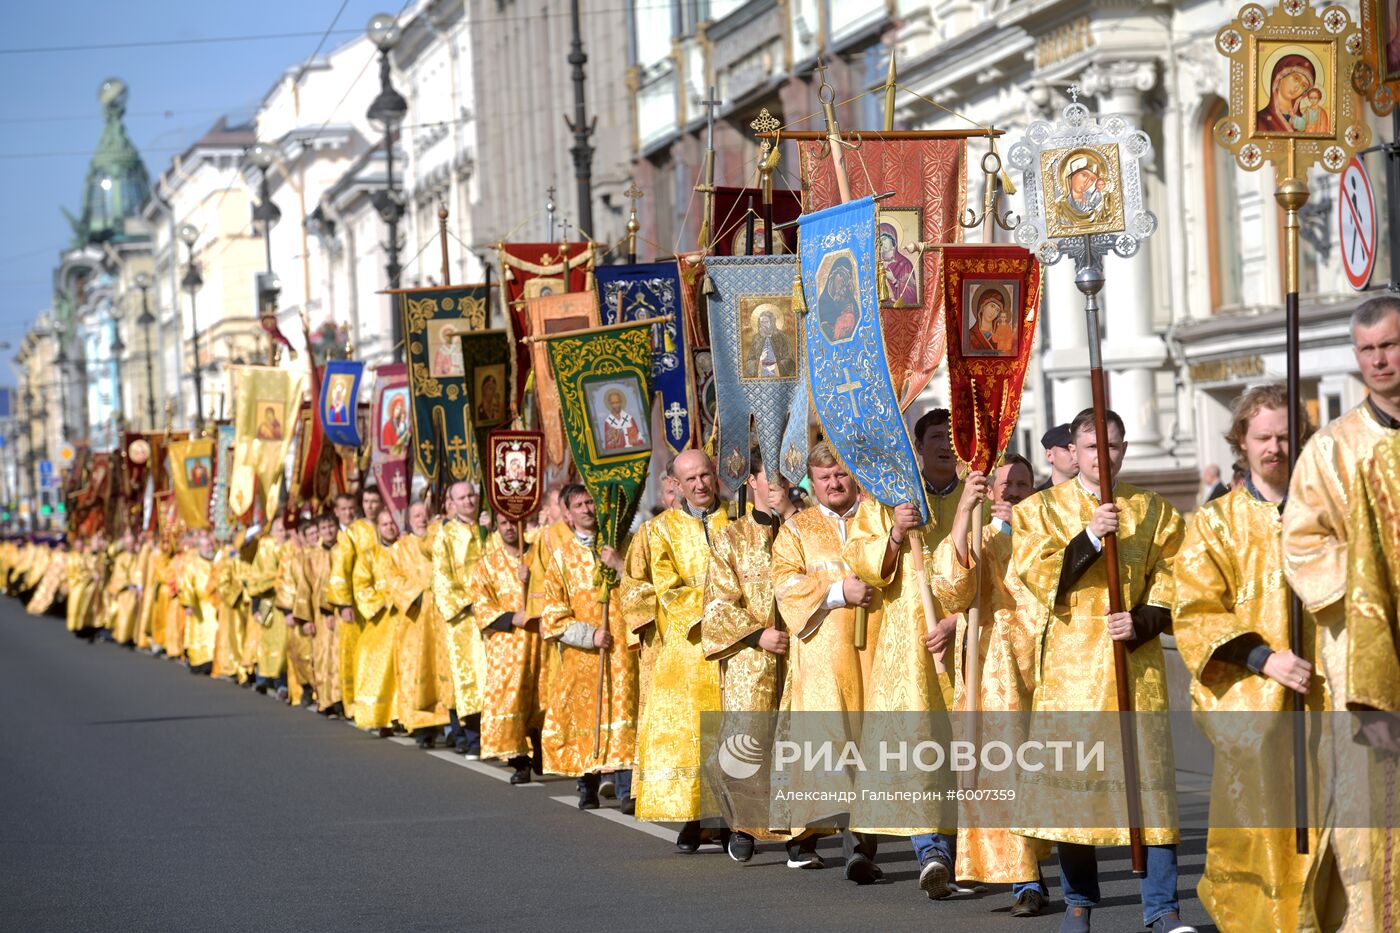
(804, 855)
(521, 764)
(688, 841)
(1076, 920)
(740, 846)
(933, 877)
(588, 792)
(384, 733)
(862, 870)
(628, 806)
(1031, 903)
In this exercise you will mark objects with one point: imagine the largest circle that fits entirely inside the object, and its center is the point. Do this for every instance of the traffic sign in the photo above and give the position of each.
(1356, 224)
(46, 468)
(65, 453)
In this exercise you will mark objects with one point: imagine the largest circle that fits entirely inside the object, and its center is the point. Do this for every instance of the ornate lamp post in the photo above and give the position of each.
(118, 348)
(388, 109)
(143, 282)
(192, 283)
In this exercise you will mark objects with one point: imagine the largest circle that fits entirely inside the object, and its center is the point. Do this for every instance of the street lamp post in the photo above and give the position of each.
(388, 109)
(192, 282)
(118, 348)
(143, 282)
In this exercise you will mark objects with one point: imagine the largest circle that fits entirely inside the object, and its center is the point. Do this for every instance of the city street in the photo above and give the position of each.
(137, 797)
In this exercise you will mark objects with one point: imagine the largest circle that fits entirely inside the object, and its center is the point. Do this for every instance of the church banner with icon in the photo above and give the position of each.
(928, 178)
(435, 320)
(652, 290)
(759, 369)
(604, 384)
(135, 472)
(993, 302)
(531, 270)
(555, 314)
(266, 401)
(486, 361)
(851, 385)
(225, 441)
(340, 388)
(393, 437)
(191, 466)
(514, 473)
(731, 227)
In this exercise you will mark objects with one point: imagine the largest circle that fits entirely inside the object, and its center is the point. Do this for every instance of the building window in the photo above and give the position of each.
(1222, 224)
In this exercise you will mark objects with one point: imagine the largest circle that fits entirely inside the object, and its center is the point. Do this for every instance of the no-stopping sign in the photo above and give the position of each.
(1356, 224)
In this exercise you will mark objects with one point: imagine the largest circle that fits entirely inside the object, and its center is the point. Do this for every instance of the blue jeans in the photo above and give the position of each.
(926, 844)
(622, 782)
(1079, 876)
(1037, 885)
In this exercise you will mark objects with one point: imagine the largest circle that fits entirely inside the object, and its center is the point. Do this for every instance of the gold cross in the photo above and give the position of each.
(633, 193)
(765, 122)
(848, 389)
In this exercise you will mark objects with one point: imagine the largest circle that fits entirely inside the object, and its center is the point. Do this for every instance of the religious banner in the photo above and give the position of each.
(89, 508)
(225, 440)
(340, 388)
(759, 371)
(530, 270)
(1291, 103)
(514, 473)
(315, 463)
(649, 290)
(928, 177)
(1377, 75)
(486, 361)
(135, 471)
(731, 227)
(604, 381)
(265, 406)
(434, 321)
(554, 314)
(389, 425)
(702, 370)
(851, 385)
(163, 515)
(690, 267)
(191, 471)
(993, 302)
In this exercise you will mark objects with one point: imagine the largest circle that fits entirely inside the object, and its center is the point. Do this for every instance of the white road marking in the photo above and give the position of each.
(622, 819)
(402, 740)
(491, 771)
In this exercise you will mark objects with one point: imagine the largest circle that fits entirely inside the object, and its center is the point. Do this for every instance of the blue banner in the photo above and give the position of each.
(851, 385)
(651, 290)
(759, 366)
(340, 391)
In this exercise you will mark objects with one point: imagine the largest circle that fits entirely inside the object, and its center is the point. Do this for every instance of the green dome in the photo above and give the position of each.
(117, 181)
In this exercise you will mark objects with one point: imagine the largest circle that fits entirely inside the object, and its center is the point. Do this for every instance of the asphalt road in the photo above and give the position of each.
(134, 796)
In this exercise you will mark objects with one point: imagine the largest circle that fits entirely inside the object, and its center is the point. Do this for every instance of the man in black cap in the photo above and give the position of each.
(1062, 463)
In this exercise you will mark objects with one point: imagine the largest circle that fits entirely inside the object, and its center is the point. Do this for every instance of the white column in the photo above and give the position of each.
(1066, 357)
(1132, 351)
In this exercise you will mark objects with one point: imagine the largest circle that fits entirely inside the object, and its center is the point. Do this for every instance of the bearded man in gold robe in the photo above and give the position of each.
(423, 677)
(1232, 628)
(1315, 535)
(457, 547)
(511, 715)
(576, 743)
(374, 649)
(684, 684)
(817, 595)
(357, 534)
(1057, 551)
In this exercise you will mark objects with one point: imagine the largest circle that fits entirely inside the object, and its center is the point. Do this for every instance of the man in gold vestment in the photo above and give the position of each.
(123, 591)
(423, 677)
(1057, 552)
(1231, 624)
(299, 677)
(817, 596)
(739, 631)
(269, 647)
(456, 549)
(989, 852)
(356, 535)
(639, 596)
(571, 625)
(1315, 553)
(511, 714)
(373, 706)
(312, 610)
(199, 599)
(684, 684)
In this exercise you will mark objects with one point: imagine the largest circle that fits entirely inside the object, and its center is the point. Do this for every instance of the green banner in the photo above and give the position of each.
(604, 381)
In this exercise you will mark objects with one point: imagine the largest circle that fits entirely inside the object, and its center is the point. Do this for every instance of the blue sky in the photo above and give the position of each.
(50, 119)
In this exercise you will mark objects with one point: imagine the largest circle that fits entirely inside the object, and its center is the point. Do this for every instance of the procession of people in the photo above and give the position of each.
(489, 636)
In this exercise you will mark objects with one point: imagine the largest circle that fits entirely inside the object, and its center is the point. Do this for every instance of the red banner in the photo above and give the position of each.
(928, 178)
(993, 303)
(529, 270)
(391, 438)
(730, 224)
(514, 472)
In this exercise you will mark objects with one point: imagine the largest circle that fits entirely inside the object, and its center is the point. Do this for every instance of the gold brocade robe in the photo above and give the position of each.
(340, 593)
(312, 606)
(510, 708)
(684, 684)
(175, 620)
(547, 540)
(1229, 583)
(456, 549)
(567, 738)
(1074, 657)
(373, 706)
(80, 586)
(122, 597)
(55, 573)
(155, 599)
(198, 583)
(423, 674)
(233, 616)
(1373, 653)
(141, 579)
(300, 671)
(988, 851)
(269, 648)
(638, 598)
(739, 604)
(1315, 554)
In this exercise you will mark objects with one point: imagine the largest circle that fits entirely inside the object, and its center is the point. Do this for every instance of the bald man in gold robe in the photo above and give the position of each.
(458, 545)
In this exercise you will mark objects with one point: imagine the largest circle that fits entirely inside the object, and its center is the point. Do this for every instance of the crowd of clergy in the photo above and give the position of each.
(495, 641)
